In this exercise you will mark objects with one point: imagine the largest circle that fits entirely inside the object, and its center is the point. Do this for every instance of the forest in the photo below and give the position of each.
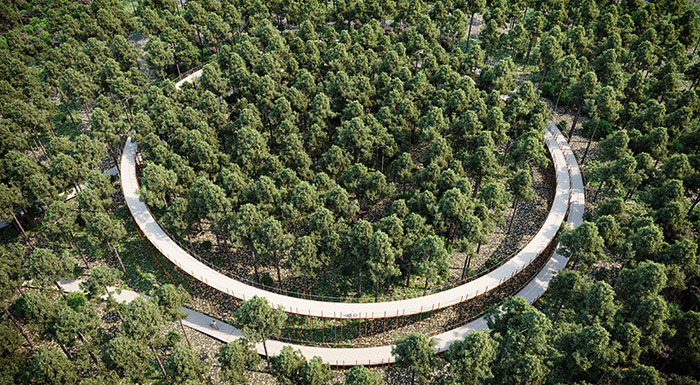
(348, 151)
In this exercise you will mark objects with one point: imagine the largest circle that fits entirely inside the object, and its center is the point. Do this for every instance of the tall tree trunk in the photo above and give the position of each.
(529, 48)
(466, 264)
(502, 350)
(267, 355)
(255, 267)
(19, 226)
(505, 154)
(556, 105)
(60, 290)
(70, 115)
(41, 144)
(575, 259)
(544, 73)
(279, 275)
(226, 246)
(160, 363)
(19, 327)
(109, 295)
(590, 139)
(116, 161)
(184, 333)
(88, 110)
(450, 235)
(573, 125)
(35, 151)
(557, 305)
(65, 351)
(595, 197)
(38, 148)
(478, 184)
(382, 164)
(72, 243)
(126, 112)
(410, 268)
(359, 282)
(201, 41)
(695, 202)
(376, 291)
(92, 355)
(119, 258)
(19, 15)
(515, 209)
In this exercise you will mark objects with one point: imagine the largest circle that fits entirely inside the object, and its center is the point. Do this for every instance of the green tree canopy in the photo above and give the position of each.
(417, 353)
(258, 320)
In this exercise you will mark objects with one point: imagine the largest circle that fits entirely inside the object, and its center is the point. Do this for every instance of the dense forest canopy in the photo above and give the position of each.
(347, 142)
(360, 157)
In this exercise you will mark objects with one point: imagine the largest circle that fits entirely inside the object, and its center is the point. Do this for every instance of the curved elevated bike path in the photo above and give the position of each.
(373, 310)
(382, 354)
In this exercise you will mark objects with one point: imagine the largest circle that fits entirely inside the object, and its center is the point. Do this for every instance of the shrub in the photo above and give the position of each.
(172, 338)
(491, 262)
(76, 300)
(267, 280)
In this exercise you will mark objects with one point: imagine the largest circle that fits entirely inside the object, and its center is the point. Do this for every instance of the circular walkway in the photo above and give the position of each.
(382, 354)
(343, 310)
